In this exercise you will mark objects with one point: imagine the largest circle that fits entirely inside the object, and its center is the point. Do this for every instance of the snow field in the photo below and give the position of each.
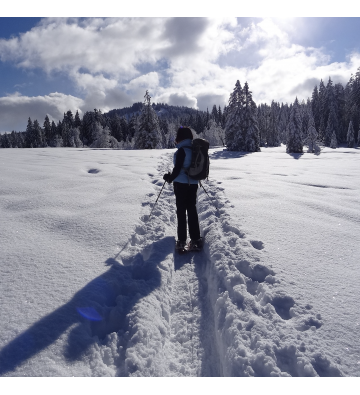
(218, 312)
(304, 208)
(227, 311)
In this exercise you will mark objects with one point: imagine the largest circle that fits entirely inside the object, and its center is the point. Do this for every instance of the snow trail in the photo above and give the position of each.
(221, 312)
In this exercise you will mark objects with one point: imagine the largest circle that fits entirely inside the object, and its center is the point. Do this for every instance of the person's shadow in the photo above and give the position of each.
(100, 308)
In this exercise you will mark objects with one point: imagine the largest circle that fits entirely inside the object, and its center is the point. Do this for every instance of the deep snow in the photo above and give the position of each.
(91, 287)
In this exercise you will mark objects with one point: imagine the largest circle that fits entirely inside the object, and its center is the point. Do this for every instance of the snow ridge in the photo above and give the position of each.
(221, 312)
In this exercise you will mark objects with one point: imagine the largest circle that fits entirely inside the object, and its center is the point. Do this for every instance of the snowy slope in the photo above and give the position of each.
(236, 309)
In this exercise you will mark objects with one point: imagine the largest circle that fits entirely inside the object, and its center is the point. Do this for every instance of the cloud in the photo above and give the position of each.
(179, 99)
(15, 109)
(207, 100)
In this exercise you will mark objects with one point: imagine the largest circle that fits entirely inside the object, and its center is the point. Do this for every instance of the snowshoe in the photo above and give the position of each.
(180, 246)
(195, 245)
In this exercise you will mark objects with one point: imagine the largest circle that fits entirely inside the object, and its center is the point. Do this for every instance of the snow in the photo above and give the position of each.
(90, 285)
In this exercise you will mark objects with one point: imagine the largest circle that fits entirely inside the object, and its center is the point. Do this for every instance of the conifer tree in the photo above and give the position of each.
(220, 118)
(340, 105)
(330, 127)
(315, 106)
(133, 126)
(322, 110)
(333, 142)
(77, 120)
(29, 134)
(38, 140)
(115, 128)
(294, 143)
(149, 134)
(234, 112)
(251, 135)
(312, 135)
(350, 136)
(52, 142)
(47, 131)
(273, 139)
(214, 114)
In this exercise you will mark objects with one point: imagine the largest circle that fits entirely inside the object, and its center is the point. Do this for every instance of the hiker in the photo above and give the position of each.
(185, 189)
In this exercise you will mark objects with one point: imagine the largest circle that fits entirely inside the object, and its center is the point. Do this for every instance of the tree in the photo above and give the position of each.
(333, 142)
(350, 136)
(273, 138)
(294, 142)
(315, 106)
(312, 134)
(38, 139)
(331, 126)
(322, 110)
(47, 131)
(215, 135)
(215, 114)
(77, 121)
(149, 134)
(74, 137)
(233, 133)
(102, 137)
(115, 128)
(250, 131)
(29, 134)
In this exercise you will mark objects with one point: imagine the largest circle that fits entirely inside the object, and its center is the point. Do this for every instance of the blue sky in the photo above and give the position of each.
(50, 65)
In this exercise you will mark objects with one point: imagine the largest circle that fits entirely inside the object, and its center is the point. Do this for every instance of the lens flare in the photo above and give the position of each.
(89, 313)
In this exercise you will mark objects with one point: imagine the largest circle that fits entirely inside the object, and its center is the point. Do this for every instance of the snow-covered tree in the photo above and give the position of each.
(250, 123)
(233, 130)
(47, 131)
(333, 142)
(74, 137)
(350, 136)
(273, 138)
(215, 135)
(294, 142)
(149, 135)
(331, 126)
(102, 137)
(38, 139)
(322, 110)
(315, 106)
(312, 135)
(171, 135)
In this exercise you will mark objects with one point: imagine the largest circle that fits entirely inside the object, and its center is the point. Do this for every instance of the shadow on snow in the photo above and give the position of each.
(100, 308)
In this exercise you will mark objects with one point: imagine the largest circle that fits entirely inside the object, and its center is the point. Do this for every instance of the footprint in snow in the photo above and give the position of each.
(93, 171)
(259, 245)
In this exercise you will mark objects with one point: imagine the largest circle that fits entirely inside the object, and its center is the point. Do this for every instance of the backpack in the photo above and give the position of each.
(200, 163)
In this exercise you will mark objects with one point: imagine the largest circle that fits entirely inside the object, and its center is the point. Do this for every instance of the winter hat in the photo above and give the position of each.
(184, 132)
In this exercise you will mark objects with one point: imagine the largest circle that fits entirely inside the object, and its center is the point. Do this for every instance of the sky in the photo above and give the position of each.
(54, 64)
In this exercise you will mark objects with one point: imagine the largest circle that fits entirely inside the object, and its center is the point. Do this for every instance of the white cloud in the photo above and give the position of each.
(178, 99)
(15, 109)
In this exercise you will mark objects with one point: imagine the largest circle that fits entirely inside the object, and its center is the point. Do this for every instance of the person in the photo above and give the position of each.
(185, 190)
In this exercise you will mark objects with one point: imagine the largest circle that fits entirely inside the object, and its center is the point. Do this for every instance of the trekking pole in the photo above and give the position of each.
(209, 196)
(157, 199)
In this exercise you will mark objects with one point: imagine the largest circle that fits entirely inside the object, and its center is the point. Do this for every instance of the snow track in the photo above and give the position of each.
(221, 312)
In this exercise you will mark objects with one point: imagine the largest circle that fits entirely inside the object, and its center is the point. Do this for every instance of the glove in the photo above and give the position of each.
(167, 177)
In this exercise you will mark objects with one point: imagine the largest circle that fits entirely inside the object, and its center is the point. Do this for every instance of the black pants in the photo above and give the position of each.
(185, 195)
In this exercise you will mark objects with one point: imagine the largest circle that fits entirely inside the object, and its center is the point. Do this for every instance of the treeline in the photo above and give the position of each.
(330, 117)
(115, 129)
